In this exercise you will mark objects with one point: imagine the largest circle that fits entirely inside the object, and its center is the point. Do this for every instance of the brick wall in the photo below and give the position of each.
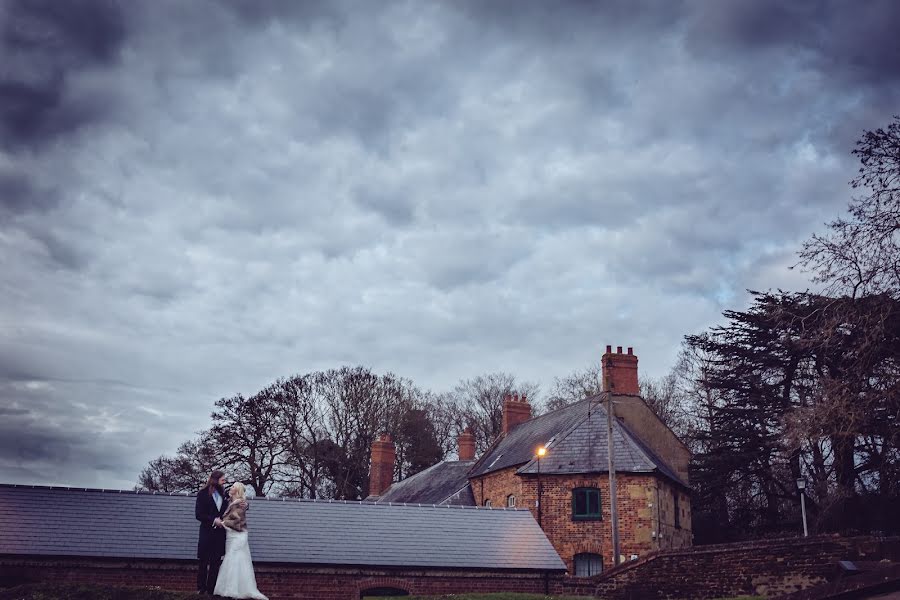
(645, 503)
(497, 486)
(767, 568)
(277, 582)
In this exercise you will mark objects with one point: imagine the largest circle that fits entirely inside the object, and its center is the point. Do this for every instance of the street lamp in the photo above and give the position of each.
(801, 485)
(541, 451)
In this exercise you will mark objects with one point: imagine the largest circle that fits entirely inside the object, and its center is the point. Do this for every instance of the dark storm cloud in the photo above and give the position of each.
(847, 39)
(199, 197)
(19, 194)
(44, 45)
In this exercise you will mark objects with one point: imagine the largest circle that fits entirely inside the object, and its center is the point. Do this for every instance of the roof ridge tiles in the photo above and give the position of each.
(257, 498)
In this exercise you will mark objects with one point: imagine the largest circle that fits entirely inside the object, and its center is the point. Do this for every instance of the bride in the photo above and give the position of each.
(236, 578)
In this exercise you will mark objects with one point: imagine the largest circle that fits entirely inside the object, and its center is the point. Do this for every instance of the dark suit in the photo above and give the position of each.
(211, 545)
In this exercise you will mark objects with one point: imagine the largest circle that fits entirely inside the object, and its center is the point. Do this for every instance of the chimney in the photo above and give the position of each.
(466, 441)
(381, 471)
(515, 411)
(620, 372)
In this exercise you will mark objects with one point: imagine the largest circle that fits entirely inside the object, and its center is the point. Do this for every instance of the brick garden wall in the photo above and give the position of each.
(767, 568)
(277, 582)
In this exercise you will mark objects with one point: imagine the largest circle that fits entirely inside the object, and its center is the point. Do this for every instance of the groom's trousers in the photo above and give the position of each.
(208, 573)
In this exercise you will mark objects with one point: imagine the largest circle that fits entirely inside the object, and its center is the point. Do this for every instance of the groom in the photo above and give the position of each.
(211, 505)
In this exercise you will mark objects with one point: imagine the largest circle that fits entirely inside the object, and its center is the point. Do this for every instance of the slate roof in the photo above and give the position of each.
(520, 444)
(97, 523)
(576, 442)
(444, 483)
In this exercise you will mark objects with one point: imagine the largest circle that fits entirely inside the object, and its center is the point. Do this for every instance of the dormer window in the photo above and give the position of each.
(511, 501)
(586, 504)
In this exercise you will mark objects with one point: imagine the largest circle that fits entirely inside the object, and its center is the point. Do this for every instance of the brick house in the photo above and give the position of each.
(567, 490)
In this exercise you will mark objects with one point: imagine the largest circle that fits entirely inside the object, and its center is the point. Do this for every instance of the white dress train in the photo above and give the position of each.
(236, 578)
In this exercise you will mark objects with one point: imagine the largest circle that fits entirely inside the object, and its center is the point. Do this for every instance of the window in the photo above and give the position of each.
(588, 564)
(586, 504)
(677, 510)
(487, 503)
(511, 501)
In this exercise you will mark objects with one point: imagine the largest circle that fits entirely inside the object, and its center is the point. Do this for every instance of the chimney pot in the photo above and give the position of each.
(618, 349)
(515, 411)
(630, 350)
(608, 349)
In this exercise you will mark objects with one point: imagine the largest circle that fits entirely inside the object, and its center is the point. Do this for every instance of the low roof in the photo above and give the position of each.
(118, 524)
(576, 442)
(446, 482)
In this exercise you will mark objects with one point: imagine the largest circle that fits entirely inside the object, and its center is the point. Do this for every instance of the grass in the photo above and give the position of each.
(56, 591)
(506, 596)
(498, 596)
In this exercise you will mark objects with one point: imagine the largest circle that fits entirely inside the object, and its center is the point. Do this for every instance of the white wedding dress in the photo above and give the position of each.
(236, 578)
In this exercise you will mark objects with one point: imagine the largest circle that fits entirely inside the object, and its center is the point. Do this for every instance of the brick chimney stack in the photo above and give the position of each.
(381, 471)
(515, 411)
(620, 372)
(466, 441)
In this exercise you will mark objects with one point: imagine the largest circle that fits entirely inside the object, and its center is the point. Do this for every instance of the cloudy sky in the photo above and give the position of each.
(199, 197)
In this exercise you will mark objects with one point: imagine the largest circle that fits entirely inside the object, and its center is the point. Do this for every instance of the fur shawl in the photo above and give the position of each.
(236, 516)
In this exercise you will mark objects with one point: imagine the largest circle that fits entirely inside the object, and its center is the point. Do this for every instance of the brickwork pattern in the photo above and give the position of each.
(277, 582)
(645, 505)
(767, 568)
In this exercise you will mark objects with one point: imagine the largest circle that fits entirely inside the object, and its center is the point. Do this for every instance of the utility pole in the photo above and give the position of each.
(540, 452)
(610, 416)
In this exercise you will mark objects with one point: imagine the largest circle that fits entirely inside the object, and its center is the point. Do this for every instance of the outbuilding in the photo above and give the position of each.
(301, 548)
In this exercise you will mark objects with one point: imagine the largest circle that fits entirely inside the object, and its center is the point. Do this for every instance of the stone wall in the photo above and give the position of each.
(766, 568)
(276, 581)
(654, 433)
(672, 533)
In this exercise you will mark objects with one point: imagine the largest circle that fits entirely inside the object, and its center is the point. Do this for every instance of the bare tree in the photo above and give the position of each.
(576, 386)
(666, 398)
(252, 437)
(301, 412)
(187, 471)
(861, 254)
(480, 399)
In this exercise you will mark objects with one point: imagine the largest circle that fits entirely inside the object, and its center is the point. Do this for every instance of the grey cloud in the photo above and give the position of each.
(45, 44)
(853, 41)
(19, 194)
(237, 190)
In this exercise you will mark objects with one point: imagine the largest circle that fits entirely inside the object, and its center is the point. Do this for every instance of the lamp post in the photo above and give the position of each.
(801, 485)
(610, 452)
(540, 452)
